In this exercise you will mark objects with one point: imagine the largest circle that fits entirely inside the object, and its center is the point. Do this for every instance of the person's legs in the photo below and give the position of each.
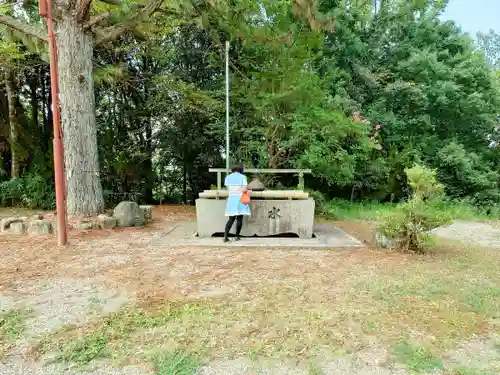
(229, 224)
(239, 225)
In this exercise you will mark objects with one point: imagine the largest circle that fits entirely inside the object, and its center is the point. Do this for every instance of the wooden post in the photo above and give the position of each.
(301, 180)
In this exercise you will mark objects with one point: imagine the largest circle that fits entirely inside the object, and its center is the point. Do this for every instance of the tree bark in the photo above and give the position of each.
(81, 160)
(14, 127)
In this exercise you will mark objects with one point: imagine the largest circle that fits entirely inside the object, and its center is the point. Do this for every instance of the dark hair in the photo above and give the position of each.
(237, 168)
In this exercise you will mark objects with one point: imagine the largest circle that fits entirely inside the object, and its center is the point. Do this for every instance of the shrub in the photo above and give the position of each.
(468, 175)
(30, 191)
(320, 207)
(411, 221)
(11, 192)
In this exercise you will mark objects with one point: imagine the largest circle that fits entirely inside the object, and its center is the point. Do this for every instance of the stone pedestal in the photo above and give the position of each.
(269, 217)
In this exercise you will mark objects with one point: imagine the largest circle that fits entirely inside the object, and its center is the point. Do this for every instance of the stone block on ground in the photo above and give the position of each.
(6, 222)
(40, 228)
(148, 212)
(107, 222)
(18, 227)
(84, 225)
(129, 214)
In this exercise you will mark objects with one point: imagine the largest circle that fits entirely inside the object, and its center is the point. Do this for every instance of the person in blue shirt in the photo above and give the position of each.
(236, 184)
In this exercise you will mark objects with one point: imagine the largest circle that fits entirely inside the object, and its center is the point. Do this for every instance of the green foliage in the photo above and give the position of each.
(426, 93)
(409, 225)
(12, 325)
(423, 183)
(467, 174)
(29, 191)
(416, 358)
(176, 364)
(338, 209)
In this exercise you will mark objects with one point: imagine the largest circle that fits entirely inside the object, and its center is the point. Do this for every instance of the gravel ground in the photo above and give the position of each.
(339, 366)
(56, 301)
(19, 367)
(233, 367)
(482, 234)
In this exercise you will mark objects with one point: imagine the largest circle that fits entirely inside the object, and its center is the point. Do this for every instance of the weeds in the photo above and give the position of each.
(11, 329)
(416, 358)
(99, 340)
(177, 363)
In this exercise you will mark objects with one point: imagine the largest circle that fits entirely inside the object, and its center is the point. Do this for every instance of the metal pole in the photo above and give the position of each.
(227, 107)
(62, 234)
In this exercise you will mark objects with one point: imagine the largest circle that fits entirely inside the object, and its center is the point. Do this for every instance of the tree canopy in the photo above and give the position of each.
(356, 91)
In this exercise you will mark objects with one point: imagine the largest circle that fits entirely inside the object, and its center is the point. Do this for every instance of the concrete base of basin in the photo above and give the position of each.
(269, 217)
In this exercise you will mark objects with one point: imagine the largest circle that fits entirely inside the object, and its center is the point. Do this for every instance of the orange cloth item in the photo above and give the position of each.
(245, 198)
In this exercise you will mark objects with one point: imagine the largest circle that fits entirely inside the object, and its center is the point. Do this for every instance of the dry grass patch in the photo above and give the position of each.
(432, 302)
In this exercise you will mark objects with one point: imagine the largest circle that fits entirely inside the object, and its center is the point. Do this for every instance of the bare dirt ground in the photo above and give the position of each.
(112, 299)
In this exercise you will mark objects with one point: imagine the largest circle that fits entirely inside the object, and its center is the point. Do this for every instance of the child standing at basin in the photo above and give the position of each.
(236, 184)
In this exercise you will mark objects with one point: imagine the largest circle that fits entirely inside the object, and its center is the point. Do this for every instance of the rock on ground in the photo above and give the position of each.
(40, 228)
(107, 222)
(19, 227)
(84, 225)
(148, 212)
(6, 224)
(129, 214)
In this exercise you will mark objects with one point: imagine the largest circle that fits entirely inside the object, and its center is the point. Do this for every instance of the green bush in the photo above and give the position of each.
(320, 207)
(468, 175)
(409, 224)
(29, 191)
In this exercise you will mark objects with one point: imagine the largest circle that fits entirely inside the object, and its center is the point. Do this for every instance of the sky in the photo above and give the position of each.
(474, 15)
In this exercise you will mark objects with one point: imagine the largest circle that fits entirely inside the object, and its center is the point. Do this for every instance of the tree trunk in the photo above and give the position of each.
(81, 160)
(14, 128)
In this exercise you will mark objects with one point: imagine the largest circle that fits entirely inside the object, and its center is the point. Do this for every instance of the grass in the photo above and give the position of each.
(314, 369)
(108, 336)
(11, 329)
(416, 358)
(338, 209)
(177, 363)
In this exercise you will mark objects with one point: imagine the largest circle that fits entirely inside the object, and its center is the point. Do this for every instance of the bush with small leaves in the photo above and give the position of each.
(410, 224)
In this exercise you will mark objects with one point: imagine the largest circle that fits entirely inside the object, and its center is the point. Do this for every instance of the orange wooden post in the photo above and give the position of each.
(45, 8)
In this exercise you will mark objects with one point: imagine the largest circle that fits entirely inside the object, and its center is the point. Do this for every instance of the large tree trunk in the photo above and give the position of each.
(83, 184)
(14, 128)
